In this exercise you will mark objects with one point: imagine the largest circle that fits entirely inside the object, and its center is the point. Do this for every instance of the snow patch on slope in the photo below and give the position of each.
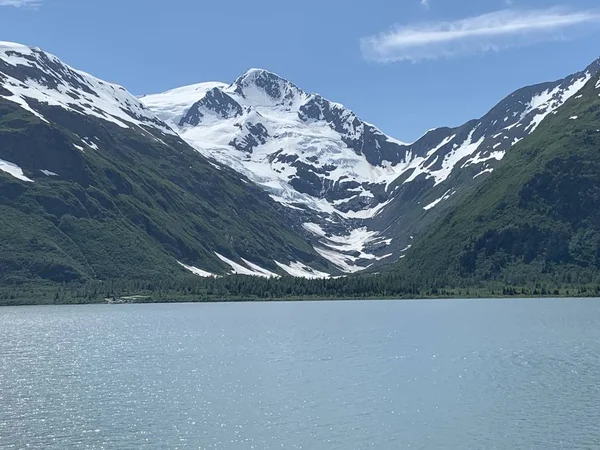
(434, 203)
(548, 101)
(196, 271)
(455, 156)
(257, 269)
(253, 271)
(345, 251)
(299, 270)
(484, 171)
(478, 159)
(422, 164)
(14, 170)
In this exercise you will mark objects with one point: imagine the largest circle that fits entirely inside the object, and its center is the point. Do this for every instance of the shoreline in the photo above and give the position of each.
(173, 301)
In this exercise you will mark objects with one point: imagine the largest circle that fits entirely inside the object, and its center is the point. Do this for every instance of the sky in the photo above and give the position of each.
(404, 65)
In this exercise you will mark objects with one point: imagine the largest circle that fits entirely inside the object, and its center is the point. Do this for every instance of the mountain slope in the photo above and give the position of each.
(461, 158)
(93, 185)
(360, 195)
(537, 216)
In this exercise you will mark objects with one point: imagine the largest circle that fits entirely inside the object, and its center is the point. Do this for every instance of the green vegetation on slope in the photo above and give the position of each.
(125, 205)
(537, 218)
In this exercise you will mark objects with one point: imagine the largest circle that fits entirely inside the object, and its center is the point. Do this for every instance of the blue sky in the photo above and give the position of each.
(404, 65)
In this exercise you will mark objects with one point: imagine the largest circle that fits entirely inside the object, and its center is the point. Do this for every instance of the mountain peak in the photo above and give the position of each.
(254, 74)
(593, 67)
(262, 87)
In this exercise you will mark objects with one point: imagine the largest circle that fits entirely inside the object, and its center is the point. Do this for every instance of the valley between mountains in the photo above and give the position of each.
(360, 195)
(259, 177)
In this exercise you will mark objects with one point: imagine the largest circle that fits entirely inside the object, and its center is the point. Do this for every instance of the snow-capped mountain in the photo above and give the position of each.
(310, 154)
(304, 149)
(360, 194)
(104, 187)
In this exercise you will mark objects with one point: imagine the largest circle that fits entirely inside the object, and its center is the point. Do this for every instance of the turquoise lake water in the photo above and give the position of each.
(447, 374)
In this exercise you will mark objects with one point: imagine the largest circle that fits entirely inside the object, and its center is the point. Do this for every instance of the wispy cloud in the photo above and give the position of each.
(489, 32)
(425, 4)
(31, 4)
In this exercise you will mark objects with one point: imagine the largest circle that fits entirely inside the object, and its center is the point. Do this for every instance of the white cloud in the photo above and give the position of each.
(489, 32)
(425, 3)
(32, 4)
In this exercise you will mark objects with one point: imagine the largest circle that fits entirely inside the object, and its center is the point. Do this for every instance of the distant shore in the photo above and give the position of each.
(148, 299)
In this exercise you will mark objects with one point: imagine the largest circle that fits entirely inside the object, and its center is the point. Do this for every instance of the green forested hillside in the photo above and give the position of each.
(125, 204)
(536, 218)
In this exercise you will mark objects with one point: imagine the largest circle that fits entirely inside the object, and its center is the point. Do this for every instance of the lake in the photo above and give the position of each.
(447, 374)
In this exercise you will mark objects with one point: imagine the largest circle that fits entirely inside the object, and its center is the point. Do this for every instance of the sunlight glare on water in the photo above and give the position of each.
(449, 374)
